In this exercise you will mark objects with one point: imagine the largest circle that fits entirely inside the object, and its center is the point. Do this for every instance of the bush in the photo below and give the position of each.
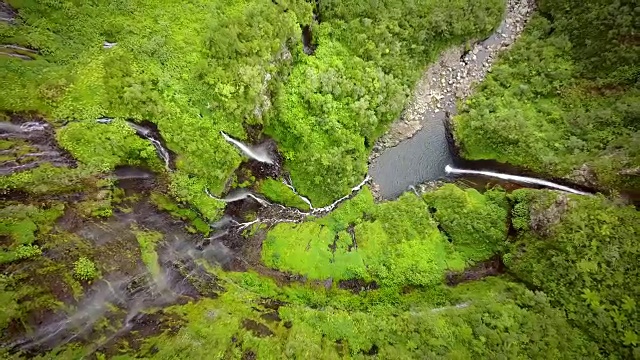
(85, 269)
(475, 223)
(27, 251)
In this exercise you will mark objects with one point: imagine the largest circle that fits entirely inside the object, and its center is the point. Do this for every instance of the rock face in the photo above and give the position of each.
(542, 219)
(584, 176)
(32, 143)
(7, 13)
(454, 76)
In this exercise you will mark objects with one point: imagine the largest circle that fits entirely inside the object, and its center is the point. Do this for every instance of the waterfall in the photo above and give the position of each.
(251, 151)
(521, 179)
(355, 189)
(148, 134)
(289, 184)
(242, 194)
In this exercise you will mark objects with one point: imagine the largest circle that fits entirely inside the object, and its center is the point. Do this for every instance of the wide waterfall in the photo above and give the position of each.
(254, 152)
(522, 179)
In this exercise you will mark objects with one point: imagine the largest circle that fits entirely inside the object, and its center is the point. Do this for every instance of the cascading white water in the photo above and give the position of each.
(522, 179)
(242, 194)
(289, 184)
(147, 133)
(253, 152)
(287, 214)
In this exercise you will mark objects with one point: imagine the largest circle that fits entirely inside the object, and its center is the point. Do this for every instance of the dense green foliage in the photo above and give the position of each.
(485, 320)
(564, 96)
(366, 280)
(102, 147)
(337, 102)
(475, 223)
(280, 193)
(197, 68)
(583, 253)
(395, 243)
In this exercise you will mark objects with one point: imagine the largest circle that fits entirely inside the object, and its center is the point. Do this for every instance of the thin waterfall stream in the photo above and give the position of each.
(516, 178)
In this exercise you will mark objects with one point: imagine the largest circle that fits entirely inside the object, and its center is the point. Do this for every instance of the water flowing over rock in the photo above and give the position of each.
(33, 145)
(241, 194)
(149, 135)
(271, 214)
(17, 51)
(7, 13)
(521, 179)
(253, 152)
(289, 184)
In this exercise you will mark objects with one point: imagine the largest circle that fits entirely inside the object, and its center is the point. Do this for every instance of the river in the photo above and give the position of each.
(406, 158)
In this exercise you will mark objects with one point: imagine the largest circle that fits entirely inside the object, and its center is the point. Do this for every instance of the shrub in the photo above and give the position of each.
(85, 269)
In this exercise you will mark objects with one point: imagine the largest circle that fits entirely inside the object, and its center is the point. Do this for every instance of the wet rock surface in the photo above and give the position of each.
(18, 51)
(7, 13)
(543, 218)
(30, 143)
(491, 267)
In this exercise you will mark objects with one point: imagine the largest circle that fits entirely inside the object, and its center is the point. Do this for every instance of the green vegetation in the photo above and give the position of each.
(395, 243)
(368, 279)
(186, 214)
(85, 269)
(21, 225)
(280, 193)
(337, 102)
(197, 68)
(147, 241)
(491, 318)
(475, 223)
(103, 146)
(591, 245)
(564, 100)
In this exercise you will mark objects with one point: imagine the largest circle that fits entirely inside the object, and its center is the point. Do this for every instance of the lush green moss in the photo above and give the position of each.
(147, 241)
(22, 224)
(193, 191)
(186, 214)
(103, 146)
(583, 253)
(46, 179)
(395, 243)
